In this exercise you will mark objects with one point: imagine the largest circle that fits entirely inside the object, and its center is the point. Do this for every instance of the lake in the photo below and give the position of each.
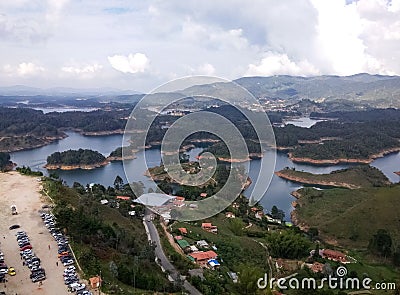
(303, 122)
(278, 193)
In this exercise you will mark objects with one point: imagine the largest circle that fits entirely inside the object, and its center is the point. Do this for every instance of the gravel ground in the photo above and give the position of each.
(23, 191)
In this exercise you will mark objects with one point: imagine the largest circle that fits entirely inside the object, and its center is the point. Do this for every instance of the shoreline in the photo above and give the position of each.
(46, 141)
(315, 182)
(343, 160)
(76, 166)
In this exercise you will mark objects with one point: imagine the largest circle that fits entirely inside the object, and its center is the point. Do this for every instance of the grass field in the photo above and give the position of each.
(351, 217)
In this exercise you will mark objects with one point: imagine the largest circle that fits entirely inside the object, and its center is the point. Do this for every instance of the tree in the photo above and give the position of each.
(381, 243)
(396, 257)
(118, 182)
(277, 213)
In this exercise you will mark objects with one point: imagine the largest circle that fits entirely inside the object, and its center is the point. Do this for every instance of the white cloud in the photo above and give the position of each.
(23, 69)
(206, 69)
(133, 63)
(54, 9)
(280, 64)
(84, 71)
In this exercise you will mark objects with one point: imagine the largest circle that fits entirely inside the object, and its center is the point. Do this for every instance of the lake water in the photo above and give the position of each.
(278, 193)
(303, 122)
(64, 110)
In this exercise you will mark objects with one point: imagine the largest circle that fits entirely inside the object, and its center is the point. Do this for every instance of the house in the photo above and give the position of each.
(178, 238)
(316, 267)
(183, 244)
(213, 263)
(233, 276)
(95, 282)
(334, 255)
(179, 201)
(203, 195)
(123, 198)
(202, 244)
(182, 230)
(229, 215)
(201, 258)
(193, 248)
(104, 202)
(259, 214)
(209, 227)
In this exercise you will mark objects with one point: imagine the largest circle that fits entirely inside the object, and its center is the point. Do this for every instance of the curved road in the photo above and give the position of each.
(153, 236)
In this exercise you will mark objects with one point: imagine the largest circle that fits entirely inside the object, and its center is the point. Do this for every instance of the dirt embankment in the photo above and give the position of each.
(342, 160)
(297, 179)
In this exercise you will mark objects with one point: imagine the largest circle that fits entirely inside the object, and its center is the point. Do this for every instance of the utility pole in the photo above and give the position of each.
(100, 280)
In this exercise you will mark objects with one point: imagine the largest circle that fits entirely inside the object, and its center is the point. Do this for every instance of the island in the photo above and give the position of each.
(352, 178)
(76, 159)
(122, 153)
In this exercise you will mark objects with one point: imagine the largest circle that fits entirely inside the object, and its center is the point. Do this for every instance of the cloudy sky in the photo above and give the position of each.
(140, 44)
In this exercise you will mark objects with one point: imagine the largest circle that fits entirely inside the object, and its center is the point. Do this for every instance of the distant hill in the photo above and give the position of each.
(370, 90)
(362, 89)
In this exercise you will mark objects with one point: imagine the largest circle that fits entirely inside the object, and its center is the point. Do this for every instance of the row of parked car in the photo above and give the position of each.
(29, 258)
(4, 269)
(71, 278)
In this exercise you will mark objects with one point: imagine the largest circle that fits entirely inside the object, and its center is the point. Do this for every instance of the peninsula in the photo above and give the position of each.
(351, 178)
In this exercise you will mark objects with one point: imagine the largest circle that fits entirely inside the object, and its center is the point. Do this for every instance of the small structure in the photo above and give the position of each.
(202, 244)
(233, 276)
(213, 263)
(95, 282)
(104, 202)
(203, 195)
(179, 201)
(229, 215)
(123, 198)
(202, 258)
(132, 213)
(209, 227)
(183, 244)
(193, 248)
(259, 214)
(155, 199)
(183, 230)
(317, 267)
(178, 238)
(334, 255)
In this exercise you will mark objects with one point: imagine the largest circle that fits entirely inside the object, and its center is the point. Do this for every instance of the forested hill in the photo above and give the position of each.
(75, 157)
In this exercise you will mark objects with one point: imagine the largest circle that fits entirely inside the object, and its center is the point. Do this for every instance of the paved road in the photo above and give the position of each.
(165, 263)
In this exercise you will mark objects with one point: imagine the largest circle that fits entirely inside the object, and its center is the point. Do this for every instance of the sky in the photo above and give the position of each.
(141, 44)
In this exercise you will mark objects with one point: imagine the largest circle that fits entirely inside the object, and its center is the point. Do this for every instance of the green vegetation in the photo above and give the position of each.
(28, 171)
(288, 244)
(22, 128)
(4, 161)
(106, 239)
(75, 157)
(353, 177)
(350, 217)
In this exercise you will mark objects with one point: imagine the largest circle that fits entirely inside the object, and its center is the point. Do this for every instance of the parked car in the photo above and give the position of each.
(11, 271)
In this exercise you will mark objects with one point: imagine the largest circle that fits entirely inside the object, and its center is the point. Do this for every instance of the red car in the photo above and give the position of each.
(25, 247)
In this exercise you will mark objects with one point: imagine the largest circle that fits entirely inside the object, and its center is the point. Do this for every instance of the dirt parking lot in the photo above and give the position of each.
(23, 191)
